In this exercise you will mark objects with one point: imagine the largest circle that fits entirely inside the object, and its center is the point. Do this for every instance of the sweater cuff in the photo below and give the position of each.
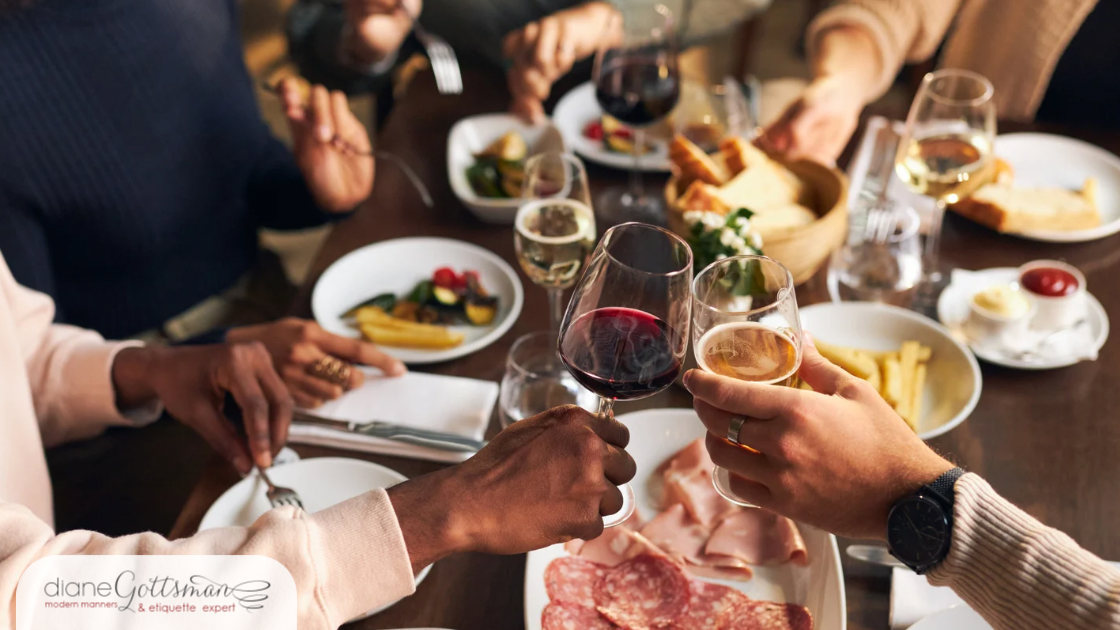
(90, 375)
(361, 556)
(889, 48)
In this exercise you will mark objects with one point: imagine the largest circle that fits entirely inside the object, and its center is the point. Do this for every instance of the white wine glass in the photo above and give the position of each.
(554, 231)
(945, 153)
(745, 326)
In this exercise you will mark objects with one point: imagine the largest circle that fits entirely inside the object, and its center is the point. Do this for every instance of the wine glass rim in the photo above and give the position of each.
(783, 293)
(529, 338)
(985, 96)
(637, 224)
(530, 204)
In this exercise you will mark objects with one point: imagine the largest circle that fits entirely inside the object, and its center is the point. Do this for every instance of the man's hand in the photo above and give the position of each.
(819, 124)
(192, 383)
(541, 52)
(379, 27)
(295, 345)
(837, 457)
(544, 480)
(330, 146)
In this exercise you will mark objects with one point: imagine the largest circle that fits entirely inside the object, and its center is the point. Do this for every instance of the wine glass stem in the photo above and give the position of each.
(636, 189)
(555, 307)
(606, 407)
(931, 269)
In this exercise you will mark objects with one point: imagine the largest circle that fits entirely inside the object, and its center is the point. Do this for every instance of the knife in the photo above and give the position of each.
(389, 431)
(880, 556)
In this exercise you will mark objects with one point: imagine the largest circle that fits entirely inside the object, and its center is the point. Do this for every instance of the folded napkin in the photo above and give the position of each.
(442, 403)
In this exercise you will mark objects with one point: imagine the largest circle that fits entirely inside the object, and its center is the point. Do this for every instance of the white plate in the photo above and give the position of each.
(953, 382)
(956, 618)
(1044, 160)
(656, 435)
(952, 310)
(395, 266)
(321, 482)
(578, 108)
(470, 136)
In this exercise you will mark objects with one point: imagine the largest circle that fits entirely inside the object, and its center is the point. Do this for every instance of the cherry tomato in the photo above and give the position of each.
(445, 277)
(594, 130)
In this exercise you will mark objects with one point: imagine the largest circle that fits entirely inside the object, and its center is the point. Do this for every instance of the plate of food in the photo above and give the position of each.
(321, 483)
(604, 140)
(422, 300)
(1048, 188)
(486, 162)
(683, 560)
(920, 369)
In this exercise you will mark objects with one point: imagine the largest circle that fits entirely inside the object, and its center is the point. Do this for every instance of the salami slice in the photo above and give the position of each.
(643, 593)
(705, 604)
(572, 580)
(565, 616)
(760, 615)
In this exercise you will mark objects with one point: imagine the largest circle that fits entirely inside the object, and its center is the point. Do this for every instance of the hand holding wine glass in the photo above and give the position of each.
(625, 331)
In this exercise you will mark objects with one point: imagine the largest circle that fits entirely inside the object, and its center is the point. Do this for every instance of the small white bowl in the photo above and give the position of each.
(470, 136)
(1054, 313)
(987, 327)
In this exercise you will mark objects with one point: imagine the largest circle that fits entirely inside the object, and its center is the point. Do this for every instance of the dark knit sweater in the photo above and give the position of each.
(135, 169)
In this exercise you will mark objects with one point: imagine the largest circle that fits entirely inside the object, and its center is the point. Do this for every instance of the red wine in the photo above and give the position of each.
(638, 90)
(621, 353)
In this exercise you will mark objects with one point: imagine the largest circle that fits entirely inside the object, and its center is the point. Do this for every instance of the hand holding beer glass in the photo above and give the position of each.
(745, 325)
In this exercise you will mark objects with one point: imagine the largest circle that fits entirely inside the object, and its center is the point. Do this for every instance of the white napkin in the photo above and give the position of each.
(1075, 344)
(442, 403)
(912, 598)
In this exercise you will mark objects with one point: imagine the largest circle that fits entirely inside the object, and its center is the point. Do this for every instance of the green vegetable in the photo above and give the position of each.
(422, 292)
(485, 178)
(386, 301)
(445, 296)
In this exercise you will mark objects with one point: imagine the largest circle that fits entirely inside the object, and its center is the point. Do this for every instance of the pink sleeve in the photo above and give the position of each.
(902, 30)
(68, 369)
(345, 560)
(1020, 574)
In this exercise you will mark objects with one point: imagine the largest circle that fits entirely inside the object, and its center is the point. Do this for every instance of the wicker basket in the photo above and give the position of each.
(805, 249)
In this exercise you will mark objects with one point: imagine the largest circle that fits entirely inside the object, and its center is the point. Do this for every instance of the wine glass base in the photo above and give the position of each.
(619, 204)
(721, 479)
(628, 507)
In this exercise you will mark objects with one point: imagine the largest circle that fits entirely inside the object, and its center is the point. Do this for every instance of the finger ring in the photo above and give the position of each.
(734, 428)
(332, 370)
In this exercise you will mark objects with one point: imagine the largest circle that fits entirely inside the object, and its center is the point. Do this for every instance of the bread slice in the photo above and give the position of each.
(703, 197)
(739, 155)
(778, 221)
(693, 164)
(1009, 209)
(761, 187)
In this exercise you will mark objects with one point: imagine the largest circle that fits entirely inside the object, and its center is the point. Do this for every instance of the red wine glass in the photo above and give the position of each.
(637, 82)
(625, 331)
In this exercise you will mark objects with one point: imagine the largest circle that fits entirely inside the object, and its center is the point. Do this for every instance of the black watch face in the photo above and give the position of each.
(918, 531)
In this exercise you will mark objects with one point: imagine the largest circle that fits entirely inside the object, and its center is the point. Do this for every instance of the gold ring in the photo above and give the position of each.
(332, 370)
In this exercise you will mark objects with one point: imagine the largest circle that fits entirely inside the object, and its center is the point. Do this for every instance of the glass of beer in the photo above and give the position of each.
(745, 325)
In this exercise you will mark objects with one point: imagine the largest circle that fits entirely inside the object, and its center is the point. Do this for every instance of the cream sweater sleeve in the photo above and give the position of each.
(902, 30)
(1020, 574)
(345, 560)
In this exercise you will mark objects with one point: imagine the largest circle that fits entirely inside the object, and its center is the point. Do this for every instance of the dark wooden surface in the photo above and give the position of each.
(1048, 441)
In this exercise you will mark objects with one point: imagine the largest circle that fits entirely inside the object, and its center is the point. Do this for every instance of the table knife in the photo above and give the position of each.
(389, 431)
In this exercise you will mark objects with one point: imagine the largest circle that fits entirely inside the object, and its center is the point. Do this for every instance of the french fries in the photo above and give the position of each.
(381, 328)
(899, 375)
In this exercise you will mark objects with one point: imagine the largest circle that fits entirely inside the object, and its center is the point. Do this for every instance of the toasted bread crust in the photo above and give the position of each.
(693, 164)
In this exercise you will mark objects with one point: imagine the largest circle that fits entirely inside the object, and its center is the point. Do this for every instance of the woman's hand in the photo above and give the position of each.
(296, 345)
(837, 458)
(819, 124)
(330, 147)
(192, 383)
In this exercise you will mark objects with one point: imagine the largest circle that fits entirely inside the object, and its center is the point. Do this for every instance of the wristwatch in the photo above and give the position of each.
(920, 526)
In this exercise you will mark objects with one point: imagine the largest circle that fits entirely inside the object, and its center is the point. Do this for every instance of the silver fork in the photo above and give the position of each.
(280, 497)
(444, 63)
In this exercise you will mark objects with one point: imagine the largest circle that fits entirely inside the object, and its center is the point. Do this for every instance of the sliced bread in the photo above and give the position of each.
(693, 164)
(1009, 209)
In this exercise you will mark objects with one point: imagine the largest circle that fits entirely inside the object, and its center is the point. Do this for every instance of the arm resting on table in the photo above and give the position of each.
(345, 560)
(1020, 574)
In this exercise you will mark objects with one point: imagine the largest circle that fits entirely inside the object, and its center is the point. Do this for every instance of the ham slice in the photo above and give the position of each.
(758, 537)
(683, 539)
(612, 547)
(687, 479)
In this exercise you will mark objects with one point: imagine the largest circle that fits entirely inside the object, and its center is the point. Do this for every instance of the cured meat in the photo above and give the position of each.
(572, 580)
(721, 568)
(758, 537)
(705, 604)
(760, 615)
(613, 546)
(688, 480)
(643, 593)
(675, 533)
(573, 617)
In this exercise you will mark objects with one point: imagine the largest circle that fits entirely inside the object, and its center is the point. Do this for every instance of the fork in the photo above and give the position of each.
(278, 496)
(445, 66)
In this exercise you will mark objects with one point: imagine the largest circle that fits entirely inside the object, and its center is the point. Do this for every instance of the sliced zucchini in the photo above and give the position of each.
(445, 296)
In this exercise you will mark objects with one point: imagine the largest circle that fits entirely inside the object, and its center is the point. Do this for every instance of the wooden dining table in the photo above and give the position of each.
(1049, 440)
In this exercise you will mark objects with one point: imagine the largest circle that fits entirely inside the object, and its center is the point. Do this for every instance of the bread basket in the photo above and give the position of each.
(803, 250)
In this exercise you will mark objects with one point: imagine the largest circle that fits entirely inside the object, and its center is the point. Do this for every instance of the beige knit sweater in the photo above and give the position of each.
(1015, 43)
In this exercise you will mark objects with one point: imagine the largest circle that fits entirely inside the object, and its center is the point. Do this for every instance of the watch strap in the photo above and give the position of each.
(943, 485)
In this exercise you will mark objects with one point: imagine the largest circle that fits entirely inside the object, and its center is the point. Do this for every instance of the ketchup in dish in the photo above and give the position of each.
(1049, 282)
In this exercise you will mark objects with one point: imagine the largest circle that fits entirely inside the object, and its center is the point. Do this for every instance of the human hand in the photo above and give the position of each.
(819, 124)
(543, 480)
(296, 345)
(192, 383)
(837, 458)
(379, 27)
(330, 145)
(543, 51)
